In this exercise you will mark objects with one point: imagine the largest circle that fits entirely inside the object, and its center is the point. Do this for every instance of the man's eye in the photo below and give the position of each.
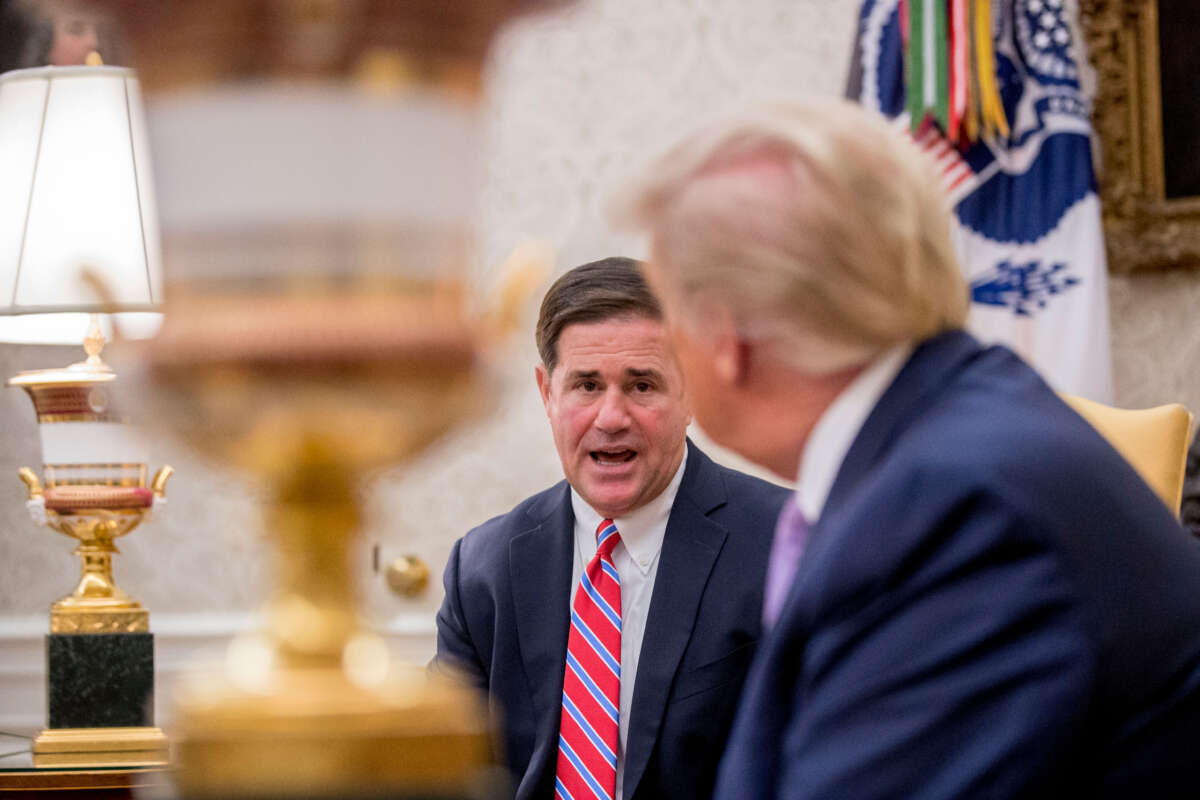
(588, 386)
(642, 386)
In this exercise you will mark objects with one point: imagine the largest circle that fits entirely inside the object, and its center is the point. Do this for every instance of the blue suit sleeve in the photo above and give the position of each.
(962, 673)
(456, 653)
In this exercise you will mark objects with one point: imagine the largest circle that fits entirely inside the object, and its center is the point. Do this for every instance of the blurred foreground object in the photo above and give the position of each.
(316, 232)
(76, 196)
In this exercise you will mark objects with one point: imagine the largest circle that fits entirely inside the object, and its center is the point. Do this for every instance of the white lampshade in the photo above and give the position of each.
(76, 194)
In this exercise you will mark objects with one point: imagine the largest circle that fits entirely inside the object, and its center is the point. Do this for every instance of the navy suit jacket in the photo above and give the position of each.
(992, 604)
(505, 621)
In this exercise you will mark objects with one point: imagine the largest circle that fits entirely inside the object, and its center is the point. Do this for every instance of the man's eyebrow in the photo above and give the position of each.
(582, 374)
(643, 373)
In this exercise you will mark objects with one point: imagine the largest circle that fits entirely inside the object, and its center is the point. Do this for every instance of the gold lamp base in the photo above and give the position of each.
(317, 733)
(98, 620)
(308, 395)
(99, 644)
(100, 747)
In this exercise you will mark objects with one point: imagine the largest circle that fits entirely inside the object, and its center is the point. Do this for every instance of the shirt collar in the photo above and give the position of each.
(838, 427)
(642, 529)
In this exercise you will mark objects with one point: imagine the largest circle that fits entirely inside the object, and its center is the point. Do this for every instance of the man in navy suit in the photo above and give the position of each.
(690, 564)
(971, 593)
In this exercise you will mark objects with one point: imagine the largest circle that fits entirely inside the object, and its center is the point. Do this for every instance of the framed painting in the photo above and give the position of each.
(1147, 118)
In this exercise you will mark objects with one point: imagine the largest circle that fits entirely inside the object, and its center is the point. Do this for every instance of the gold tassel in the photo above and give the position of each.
(991, 106)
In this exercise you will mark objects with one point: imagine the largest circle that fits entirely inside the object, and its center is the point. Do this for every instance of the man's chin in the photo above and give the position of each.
(610, 501)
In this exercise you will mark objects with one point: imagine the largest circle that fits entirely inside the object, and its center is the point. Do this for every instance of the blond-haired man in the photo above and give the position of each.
(972, 594)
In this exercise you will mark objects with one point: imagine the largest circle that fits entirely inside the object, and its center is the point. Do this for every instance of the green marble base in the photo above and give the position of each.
(100, 680)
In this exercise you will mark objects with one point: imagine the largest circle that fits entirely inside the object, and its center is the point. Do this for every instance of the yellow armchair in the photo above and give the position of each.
(1153, 440)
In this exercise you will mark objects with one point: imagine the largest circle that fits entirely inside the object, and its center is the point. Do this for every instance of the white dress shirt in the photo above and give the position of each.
(636, 560)
(839, 426)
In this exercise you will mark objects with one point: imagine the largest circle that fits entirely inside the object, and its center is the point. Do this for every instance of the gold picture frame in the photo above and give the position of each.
(1144, 228)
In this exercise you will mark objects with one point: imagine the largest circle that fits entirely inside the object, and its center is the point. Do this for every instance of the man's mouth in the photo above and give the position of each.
(612, 457)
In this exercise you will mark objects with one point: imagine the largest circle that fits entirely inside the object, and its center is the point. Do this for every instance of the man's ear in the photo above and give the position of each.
(730, 353)
(543, 384)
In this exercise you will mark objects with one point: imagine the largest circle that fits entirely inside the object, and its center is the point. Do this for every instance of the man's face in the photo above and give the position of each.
(618, 410)
(74, 37)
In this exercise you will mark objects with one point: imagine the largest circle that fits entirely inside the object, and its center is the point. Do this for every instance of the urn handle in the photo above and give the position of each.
(159, 484)
(30, 479)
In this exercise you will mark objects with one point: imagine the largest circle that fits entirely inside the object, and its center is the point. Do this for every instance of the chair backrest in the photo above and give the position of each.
(1153, 440)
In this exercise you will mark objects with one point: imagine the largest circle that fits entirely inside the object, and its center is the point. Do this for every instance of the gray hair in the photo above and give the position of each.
(818, 225)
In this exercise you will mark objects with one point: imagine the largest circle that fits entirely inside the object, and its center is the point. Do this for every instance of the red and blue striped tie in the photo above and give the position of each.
(587, 738)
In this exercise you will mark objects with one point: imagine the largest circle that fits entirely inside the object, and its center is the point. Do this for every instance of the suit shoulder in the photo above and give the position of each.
(495, 534)
(1028, 438)
(751, 507)
(746, 489)
(1000, 440)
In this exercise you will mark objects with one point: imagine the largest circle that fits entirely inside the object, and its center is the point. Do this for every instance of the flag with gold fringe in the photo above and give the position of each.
(993, 90)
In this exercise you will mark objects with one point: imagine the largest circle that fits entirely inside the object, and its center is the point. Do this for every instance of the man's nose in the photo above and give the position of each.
(613, 415)
(84, 32)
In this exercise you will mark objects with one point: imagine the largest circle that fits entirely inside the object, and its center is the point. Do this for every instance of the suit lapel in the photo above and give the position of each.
(540, 562)
(767, 696)
(927, 372)
(690, 548)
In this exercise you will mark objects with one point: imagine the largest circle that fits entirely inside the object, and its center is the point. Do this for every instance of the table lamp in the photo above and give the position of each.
(78, 236)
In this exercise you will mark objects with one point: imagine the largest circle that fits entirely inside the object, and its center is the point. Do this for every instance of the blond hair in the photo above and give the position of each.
(819, 225)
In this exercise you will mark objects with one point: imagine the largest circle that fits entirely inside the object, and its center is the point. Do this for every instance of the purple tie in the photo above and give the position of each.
(791, 533)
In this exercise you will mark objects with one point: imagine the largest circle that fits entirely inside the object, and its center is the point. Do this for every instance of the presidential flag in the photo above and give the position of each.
(993, 90)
